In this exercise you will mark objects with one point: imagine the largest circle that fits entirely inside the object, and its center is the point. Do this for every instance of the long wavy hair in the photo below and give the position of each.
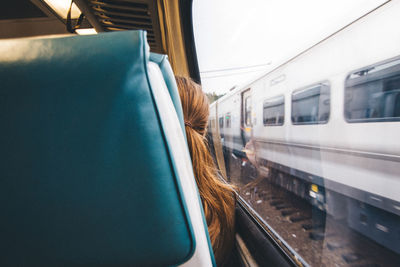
(217, 197)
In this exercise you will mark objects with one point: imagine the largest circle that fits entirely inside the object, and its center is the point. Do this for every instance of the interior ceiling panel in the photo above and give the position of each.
(114, 15)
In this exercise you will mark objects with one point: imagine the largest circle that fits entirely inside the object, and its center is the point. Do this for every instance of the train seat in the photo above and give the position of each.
(94, 165)
(169, 77)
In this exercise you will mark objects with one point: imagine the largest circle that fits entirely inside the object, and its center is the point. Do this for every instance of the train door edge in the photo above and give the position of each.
(245, 117)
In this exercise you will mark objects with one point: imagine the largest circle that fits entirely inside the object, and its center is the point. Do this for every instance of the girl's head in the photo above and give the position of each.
(217, 197)
(194, 104)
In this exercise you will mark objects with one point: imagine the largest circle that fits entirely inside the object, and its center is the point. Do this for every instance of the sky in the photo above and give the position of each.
(238, 41)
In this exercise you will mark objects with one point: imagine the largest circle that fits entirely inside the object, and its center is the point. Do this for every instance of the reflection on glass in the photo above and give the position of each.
(320, 192)
(326, 181)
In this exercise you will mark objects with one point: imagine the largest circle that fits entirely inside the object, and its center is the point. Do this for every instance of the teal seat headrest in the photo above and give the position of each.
(169, 77)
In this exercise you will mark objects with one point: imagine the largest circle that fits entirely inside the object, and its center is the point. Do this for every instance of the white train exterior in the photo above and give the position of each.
(330, 117)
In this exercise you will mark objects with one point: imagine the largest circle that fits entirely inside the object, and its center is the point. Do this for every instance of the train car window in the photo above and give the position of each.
(212, 123)
(372, 94)
(311, 105)
(274, 111)
(228, 120)
(247, 111)
(221, 122)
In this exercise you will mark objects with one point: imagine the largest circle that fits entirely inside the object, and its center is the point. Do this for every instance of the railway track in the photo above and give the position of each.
(317, 237)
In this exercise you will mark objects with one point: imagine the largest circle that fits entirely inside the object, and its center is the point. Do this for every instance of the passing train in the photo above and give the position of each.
(326, 125)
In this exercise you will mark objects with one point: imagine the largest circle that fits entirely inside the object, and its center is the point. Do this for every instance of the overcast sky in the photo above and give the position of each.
(239, 40)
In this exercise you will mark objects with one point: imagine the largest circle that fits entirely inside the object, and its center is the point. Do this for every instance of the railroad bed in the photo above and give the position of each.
(317, 237)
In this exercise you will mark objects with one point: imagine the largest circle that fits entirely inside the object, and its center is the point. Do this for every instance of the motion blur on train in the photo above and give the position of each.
(324, 127)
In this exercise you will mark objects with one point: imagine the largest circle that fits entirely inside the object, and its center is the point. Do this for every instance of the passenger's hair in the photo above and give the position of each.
(217, 197)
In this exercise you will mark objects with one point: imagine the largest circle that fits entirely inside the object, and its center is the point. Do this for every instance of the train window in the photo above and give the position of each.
(311, 105)
(247, 111)
(212, 123)
(323, 189)
(221, 122)
(373, 93)
(274, 111)
(228, 120)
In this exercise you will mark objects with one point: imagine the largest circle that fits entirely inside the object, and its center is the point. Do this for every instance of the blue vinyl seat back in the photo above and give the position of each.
(169, 77)
(86, 177)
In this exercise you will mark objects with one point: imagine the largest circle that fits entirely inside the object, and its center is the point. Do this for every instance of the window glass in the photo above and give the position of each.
(247, 108)
(311, 105)
(325, 188)
(212, 123)
(228, 120)
(221, 122)
(373, 93)
(274, 111)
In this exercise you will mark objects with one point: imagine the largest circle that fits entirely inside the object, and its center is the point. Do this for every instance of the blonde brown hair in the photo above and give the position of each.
(217, 197)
